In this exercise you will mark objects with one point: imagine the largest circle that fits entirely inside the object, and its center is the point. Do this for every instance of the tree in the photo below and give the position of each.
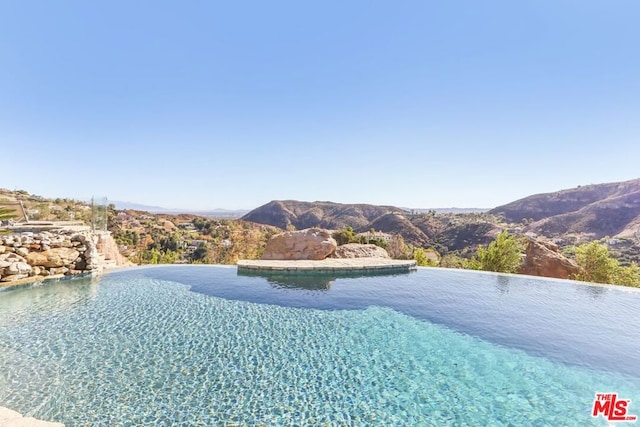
(378, 242)
(396, 247)
(627, 276)
(200, 253)
(345, 235)
(420, 255)
(503, 255)
(290, 227)
(154, 256)
(597, 265)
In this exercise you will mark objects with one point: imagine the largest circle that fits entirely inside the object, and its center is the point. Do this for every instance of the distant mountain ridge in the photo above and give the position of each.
(574, 215)
(444, 231)
(284, 213)
(592, 211)
(215, 213)
(448, 210)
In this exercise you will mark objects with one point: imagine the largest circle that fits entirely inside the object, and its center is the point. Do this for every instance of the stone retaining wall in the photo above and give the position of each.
(38, 255)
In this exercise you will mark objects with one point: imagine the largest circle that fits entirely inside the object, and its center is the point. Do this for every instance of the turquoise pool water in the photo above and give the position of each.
(204, 346)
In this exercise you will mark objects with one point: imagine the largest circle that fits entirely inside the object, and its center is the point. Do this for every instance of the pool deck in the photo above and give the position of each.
(9, 418)
(329, 265)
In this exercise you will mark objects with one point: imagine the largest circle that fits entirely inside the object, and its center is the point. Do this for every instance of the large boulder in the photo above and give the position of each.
(52, 258)
(543, 259)
(311, 244)
(357, 250)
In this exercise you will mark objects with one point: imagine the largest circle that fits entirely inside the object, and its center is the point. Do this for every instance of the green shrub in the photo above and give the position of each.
(597, 265)
(503, 255)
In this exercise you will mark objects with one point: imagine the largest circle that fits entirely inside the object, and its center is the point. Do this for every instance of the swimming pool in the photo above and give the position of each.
(203, 345)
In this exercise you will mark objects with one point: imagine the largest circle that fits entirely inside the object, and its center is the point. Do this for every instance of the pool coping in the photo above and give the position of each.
(333, 265)
(39, 280)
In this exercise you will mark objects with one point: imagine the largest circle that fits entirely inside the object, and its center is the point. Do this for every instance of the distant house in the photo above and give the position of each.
(376, 235)
(194, 245)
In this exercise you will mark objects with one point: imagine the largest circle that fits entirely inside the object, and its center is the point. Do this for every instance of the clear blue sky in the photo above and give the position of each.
(204, 104)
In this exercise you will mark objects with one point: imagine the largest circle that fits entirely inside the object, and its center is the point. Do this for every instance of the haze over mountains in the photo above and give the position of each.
(215, 213)
(237, 213)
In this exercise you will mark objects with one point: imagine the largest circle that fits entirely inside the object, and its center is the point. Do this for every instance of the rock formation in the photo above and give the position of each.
(38, 255)
(543, 259)
(357, 250)
(56, 257)
(309, 244)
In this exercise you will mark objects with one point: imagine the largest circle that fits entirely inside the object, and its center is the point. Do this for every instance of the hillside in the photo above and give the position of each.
(441, 231)
(582, 213)
(286, 213)
(459, 232)
(148, 238)
(398, 223)
(568, 217)
(38, 208)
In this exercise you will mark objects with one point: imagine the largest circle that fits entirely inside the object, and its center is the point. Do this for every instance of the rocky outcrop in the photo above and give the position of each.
(357, 250)
(52, 253)
(542, 258)
(310, 244)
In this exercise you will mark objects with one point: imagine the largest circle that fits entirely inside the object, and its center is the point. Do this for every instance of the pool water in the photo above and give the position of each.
(204, 346)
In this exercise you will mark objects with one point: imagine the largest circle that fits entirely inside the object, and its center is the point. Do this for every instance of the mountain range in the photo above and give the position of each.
(568, 217)
(443, 231)
(586, 212)
(573, 215)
